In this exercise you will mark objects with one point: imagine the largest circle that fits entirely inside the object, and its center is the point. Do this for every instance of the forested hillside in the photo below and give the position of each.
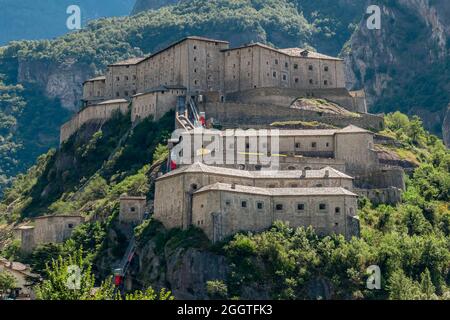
(50, 72)
(409, 242)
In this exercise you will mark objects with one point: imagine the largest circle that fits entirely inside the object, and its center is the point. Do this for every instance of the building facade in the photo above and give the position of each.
(132, 209)
(183, 183)
(48, 229)
(222, 210)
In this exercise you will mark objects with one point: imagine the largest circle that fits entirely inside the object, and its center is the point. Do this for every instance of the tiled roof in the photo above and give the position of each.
(284, 132)
(276, 174)
(96, 79)
(297, 52)
(353, 129)
(292, 52)
(59, 216)
(161, 88)
(182, 40)
(278, 191)
(112, 101)
(128, 62)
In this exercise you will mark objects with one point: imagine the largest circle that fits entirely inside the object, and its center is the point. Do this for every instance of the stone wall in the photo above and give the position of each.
(195, 64)
(284, 97)
(94, 90)
(132, 209)
(100, 112)
(121, 81)
(222, 213)
(239, 114)
(259, 66)
(54, 229)
(390, 195)
(156, 103)
(180, 187)
(48, 229)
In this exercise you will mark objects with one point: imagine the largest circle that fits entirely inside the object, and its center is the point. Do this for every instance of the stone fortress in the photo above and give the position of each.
(208, 84)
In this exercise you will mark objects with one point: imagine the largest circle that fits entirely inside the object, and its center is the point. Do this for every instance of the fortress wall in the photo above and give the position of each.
(155, 104)
(121, 81)
(382, 178)
(232, 114)
(356, 150)
(94, 90)
(286, 96)
(101, 112)
(390, 195)
(257, 66)
(54, 229)
(214, 207)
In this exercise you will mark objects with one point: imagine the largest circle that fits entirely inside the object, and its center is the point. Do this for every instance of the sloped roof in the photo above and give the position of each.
(160, 88)
(278, 191)
(199, 167)
(353, 129)
(292, 52)
(128, 62)
(99, 78)
(112, 101)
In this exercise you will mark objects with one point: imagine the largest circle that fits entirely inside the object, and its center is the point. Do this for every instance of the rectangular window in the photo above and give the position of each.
(314, 144)
(260, 205)
(296, 80)
(284, 77)
(310, 67)
(244, 204)
(322, 206)
(301, 207)
(295, 66)
(325, 69)
(279, 207)
(337, 210)
(274, 74)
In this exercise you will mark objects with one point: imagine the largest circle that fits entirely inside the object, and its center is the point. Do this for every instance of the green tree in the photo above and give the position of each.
(7, 283)
(217, 289)
(72, 279)
(150, 294)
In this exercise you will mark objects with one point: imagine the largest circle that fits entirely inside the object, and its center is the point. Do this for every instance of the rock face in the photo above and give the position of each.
(404, 65)
(58, 80)
(184, 271)
(446, 128)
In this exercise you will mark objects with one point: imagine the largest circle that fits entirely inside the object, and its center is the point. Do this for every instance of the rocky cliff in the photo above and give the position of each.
(57, 80)
(446, 127)
(404, 65)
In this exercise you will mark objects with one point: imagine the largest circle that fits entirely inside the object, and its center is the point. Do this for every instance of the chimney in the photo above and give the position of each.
(233, 186)
(327, 173)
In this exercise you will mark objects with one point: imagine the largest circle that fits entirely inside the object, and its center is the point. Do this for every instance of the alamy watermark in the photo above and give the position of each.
(229, 147)
(374, 19)
(73, 281)
(374, 280)
(73, 22)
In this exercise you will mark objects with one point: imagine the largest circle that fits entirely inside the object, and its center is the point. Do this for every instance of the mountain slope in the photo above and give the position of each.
(406, 65)
(409, 242)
